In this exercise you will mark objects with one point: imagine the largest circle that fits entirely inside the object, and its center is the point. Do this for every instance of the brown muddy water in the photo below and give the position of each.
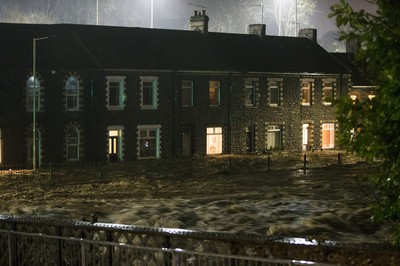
(329, 203)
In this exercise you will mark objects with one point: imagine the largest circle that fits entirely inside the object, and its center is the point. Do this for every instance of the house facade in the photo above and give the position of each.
(114, 94)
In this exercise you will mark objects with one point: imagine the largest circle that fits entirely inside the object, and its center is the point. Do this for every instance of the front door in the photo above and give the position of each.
(113, 145)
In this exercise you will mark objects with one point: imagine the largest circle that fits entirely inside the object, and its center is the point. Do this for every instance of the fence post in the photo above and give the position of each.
(339, 160)
(83, 253)
(269, 163)
(59, 246)
(110, 248)
(305, 164)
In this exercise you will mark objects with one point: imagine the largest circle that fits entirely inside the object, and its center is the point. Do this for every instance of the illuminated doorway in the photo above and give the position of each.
(328, 135)
(115, 144)
(214, 140)
(306, 136)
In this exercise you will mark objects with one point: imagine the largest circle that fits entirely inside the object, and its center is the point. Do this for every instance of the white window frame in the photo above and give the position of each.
(149, 83)
(214, 140)
(274, 130)
(306, 101)
(75, 144)
(275, 84)
(120, 80)
(140, 136)
(250, 90)
(187, 93)
(216, 86)
(30, 87)
(328, 128)
(328, 84)
(71, 93)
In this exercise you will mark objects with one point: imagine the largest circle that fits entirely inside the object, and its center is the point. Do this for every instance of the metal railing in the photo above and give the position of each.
(87, 172)
(79, 251)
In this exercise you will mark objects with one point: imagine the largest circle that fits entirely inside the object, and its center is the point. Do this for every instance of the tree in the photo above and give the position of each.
(377, 122)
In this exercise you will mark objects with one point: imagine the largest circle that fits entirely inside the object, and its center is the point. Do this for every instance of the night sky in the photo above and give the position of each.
(168, 14)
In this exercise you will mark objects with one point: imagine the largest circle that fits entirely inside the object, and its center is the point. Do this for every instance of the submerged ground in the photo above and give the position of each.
(330, 201)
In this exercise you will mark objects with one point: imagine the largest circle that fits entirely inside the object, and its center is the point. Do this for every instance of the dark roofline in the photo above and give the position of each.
(110, 47)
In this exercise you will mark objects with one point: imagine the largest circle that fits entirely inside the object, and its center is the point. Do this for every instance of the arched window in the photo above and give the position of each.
(72, 93)
(33, 91)
(73, 142)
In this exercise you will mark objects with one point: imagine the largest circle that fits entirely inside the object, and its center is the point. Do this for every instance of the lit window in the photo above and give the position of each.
(187, 93)
(274, 93)
(306, 92)
(149, 141)
(214, 140)
(327, 92)
(274, 137)
(214, 93)
(31, 92)
(72, 144)
(149, 91)
(72, 93)
(353, 97)
(250, 92)
(328, 135)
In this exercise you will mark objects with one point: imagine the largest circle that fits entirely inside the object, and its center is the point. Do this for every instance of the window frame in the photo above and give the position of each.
(274, 129)
(75, 145)
(214, 135)
(153, 92)
(275, 84)
(120, 80)
(69, 95)
(33, 87)
(332, 91)
(329, 127)
(186, 93)
(250, 91)
(307, 99)
(157, 137)
(214, 93)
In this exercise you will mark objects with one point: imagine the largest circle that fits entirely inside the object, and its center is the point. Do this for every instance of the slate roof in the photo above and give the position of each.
(106, 47)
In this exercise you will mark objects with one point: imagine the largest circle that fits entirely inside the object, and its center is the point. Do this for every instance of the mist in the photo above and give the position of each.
(282, 17)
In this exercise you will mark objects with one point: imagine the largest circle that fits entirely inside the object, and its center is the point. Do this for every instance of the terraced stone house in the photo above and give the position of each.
(116, 93)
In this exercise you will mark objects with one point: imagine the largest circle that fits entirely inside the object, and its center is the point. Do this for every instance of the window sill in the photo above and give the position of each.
(327, 103)
(306, 104)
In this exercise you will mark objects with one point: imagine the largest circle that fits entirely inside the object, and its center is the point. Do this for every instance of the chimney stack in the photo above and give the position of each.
(257, 29)
(309, 33)
(199, 21)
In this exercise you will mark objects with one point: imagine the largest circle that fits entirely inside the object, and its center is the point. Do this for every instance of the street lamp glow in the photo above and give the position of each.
(34, 40)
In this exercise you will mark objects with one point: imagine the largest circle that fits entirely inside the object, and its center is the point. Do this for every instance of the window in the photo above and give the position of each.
(327, 92)
(187, 93)
(214, 93)
(306, 92)
(214, 140)
(149, 91)
(250, 90)
(274, 137)
(72, 140)
(115, 92)
(328, 135)
(72, 94)
(33, 91)
(274, 92)
(149, 141)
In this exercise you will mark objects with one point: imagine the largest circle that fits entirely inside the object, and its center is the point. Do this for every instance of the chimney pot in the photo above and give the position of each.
(309, 33)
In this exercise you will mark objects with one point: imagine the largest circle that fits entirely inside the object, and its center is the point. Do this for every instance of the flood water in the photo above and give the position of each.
(328, 203)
